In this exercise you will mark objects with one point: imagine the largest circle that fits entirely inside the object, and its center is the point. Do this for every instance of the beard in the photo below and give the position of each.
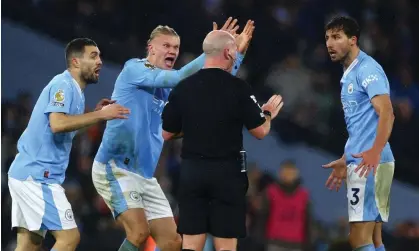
(344, 57)
(90, 77)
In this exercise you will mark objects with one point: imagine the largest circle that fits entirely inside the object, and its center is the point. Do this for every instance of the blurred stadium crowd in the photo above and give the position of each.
(287, 56)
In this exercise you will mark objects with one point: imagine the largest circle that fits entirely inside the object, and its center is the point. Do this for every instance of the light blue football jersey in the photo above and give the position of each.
(363, 80)
(135, 144)
(42, 155)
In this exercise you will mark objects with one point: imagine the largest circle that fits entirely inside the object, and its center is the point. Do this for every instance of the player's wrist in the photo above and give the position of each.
(342, 161)
(242, 50)
(376, 149)
(240, 55)
(101, 114)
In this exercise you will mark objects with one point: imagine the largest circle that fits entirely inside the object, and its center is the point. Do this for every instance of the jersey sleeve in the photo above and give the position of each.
(373, 81)
(251, 112)
(152, 77)
(239, 60)
(171, 117)
(59, 98)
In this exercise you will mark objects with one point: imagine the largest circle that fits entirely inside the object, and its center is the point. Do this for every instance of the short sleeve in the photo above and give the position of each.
(143, 74)
(373, 81)
(172, 120)
(251, 112)
(237, 63)
(60, 98)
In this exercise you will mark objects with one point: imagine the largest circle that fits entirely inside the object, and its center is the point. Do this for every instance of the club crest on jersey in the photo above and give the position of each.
(69, 215)
(135, 196)
(59, 96)
(350, 88)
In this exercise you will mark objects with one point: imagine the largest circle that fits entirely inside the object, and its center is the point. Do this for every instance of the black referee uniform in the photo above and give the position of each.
(210, 108)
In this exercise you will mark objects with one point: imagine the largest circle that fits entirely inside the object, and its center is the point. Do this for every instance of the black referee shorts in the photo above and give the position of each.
(212, 198)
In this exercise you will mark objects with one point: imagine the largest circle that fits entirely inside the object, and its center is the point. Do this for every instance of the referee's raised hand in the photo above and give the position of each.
(273, 105)
(243, 40)
(229, 26)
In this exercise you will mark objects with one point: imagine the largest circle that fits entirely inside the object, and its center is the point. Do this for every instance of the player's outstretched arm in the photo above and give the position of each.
(150, 76)
(61, 122)
(143, 75)
(170, 78)
(60, 103)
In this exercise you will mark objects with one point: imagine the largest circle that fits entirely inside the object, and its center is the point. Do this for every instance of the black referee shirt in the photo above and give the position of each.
(210, 108)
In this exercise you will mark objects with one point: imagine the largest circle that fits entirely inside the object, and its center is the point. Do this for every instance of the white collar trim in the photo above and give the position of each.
(351, 66)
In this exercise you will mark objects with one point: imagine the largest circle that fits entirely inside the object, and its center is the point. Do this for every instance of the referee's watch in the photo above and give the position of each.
(267, 113)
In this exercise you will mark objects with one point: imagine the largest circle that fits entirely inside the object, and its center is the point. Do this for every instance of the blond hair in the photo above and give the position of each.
(162, 30)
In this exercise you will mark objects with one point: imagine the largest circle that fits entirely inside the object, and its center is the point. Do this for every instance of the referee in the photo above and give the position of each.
(210, 109)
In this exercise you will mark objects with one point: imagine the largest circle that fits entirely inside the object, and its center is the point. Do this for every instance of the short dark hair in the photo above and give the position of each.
(347, 24)
(76, 48)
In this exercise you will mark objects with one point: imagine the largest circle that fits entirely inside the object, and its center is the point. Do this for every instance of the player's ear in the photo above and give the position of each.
(150, 49)
(75, 62)
(354, 40)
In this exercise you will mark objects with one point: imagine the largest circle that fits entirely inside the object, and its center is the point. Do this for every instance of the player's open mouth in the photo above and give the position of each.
(332, 53)
(169, 61)
(97, 71)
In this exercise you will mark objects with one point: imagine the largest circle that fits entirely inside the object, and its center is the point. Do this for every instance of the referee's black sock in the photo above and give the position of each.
(187, 250)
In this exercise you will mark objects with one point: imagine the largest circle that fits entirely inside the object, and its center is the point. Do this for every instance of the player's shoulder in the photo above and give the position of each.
(368, 65)
(61, 81)
(139, 64)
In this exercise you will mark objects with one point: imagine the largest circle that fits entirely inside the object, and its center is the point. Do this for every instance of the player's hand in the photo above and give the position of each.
(103, 102)
(114, 111)
(243, 40)
(229, 26)
(370, 161)
(273, 105)
(338, 174)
